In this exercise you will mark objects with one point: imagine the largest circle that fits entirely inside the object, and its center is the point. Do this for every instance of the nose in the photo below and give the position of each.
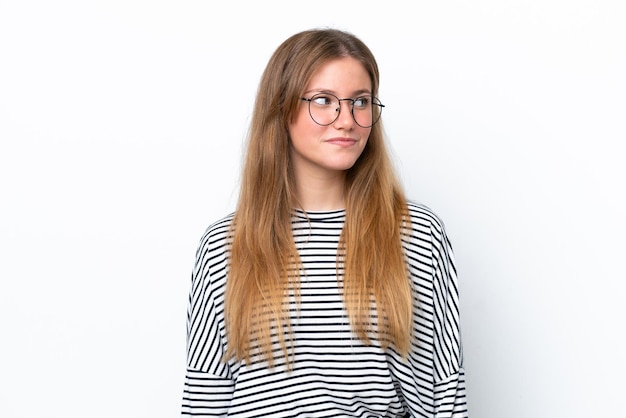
(344, 120)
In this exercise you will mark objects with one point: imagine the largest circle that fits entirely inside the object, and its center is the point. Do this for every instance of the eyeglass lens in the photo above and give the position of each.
(325, 108)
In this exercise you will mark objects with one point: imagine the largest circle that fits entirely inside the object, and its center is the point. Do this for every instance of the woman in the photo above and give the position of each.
(326, 293)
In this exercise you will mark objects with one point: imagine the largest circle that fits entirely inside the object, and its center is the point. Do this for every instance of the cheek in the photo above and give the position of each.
(303, 128)
(365, 134)
(295, 126)
(365, 142)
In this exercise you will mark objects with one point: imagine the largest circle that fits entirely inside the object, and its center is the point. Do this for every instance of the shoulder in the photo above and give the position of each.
(216, 234)
(424, 217)
(220, 226)
(426, 236)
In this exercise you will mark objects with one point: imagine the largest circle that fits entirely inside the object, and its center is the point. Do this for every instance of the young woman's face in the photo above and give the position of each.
(318, 150)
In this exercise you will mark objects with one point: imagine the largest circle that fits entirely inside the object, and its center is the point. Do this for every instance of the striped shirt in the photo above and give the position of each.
(334, 373)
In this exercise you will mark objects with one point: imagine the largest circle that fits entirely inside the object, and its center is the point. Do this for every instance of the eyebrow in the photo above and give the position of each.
(355, 93)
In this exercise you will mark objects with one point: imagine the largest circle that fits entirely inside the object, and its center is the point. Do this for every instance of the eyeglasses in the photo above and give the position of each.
(324, 109)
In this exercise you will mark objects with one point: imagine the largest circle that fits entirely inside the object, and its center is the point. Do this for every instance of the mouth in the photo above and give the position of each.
(344, 142)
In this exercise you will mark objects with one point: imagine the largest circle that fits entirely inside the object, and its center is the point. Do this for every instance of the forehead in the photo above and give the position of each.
(341, 75)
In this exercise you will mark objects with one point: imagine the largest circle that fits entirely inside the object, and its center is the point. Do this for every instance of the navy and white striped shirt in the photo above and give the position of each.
(334, 374)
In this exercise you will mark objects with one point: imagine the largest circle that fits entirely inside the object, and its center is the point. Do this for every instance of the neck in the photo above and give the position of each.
(321, 193)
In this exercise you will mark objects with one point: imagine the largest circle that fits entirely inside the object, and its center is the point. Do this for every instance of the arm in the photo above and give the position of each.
(208, 383)
(432, 380)
(449, 375)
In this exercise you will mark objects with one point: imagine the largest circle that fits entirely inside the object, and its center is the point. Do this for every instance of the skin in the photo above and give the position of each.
(321, 154)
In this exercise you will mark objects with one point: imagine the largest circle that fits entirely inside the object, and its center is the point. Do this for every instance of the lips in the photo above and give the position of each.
(344, 142)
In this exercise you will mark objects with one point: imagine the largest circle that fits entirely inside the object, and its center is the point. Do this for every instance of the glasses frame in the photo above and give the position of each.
(374, 99)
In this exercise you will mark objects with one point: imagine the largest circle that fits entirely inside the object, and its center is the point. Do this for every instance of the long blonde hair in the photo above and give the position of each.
(264, 262)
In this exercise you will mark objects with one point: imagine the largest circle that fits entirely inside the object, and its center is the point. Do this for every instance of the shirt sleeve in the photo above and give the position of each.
(208, 385)
(449, 374)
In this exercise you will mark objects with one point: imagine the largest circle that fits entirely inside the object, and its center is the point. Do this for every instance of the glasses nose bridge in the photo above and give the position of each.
(350, 106)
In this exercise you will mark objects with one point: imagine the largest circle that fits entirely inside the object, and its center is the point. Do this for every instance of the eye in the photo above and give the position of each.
(323, 100)
(362, 102)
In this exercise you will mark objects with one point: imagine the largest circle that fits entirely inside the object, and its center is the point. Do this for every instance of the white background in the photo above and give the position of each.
(122, 125)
